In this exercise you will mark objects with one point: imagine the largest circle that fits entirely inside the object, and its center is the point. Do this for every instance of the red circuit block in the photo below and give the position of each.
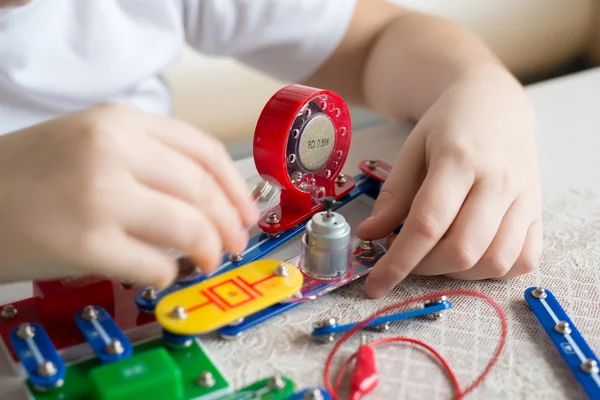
(376, 169)
(56, 302)
(301, 141)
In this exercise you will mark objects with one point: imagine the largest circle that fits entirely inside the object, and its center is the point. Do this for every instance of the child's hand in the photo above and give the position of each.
(469, 175)
(108, 190)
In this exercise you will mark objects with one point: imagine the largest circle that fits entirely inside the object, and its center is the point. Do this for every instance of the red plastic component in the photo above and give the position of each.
(278, 132)
(55, 302)
(376, 169)
(364, 376)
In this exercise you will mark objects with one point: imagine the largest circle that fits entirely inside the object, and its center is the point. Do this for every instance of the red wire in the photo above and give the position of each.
(456, 292)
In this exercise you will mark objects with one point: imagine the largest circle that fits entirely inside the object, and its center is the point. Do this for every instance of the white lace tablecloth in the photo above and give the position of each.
(529, 367)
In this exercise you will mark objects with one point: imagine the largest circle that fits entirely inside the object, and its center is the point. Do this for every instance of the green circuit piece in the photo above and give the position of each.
(274, 388)
(152, 374)
(156, 371)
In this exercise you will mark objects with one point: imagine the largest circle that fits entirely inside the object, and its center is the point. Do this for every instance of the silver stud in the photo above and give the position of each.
(324, 323)
(236, 322)
(435, 316)
(281, 270)
(149, 294)
(115, 347)
(590, 366)
(9, 312)
(272, 218)
(435, 300)
(235, 257)
(314, 394)
(178, 312)
(341, 179)
(231, 337)
(562, 327)
(47, 368)
(384, 327)
(539, 293)
(372, 164)
(206, 379)
(89, 313)
(276, 382)
(325, 338)
(25, 331)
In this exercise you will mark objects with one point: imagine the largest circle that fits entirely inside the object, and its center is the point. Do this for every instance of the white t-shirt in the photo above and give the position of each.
(57, 56)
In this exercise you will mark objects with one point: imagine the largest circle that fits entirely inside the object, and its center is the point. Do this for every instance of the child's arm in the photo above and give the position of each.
(103, 190)
(468, 173)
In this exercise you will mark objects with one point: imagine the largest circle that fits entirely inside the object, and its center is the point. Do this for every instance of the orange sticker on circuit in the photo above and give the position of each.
(216, 302)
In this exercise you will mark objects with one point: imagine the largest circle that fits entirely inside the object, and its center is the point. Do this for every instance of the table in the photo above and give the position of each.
(530, 367)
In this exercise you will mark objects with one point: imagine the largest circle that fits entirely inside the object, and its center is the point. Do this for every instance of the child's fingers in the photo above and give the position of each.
(434, 208)
(471, 234)
(162, 168)
(531, 252)
(125, 257)
(212, 156)
(169, 223)
(397, 192)
(506, 247)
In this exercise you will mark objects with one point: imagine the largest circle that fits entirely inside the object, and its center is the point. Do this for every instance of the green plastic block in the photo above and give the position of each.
(274, 388)
(150, 375)
(82, 378)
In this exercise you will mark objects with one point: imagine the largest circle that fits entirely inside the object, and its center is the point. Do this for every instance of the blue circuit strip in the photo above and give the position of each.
(428, 309)
(262, 244)
(568, 340)
(39, 357)
(303, 395)
(102, 333)
(311, 289)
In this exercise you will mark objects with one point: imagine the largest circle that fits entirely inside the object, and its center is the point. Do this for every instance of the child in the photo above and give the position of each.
(96, 178)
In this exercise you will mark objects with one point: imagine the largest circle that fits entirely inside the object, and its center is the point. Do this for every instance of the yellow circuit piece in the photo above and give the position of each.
(218, 301)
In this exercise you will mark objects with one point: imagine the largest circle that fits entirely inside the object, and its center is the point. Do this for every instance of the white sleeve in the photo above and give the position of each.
(287, 39)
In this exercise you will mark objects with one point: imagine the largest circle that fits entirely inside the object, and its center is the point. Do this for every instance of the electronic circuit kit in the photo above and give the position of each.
(76, 334)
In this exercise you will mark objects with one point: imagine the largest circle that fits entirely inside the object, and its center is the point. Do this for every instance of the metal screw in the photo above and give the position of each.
(539, 293)
(372, 164)
(325, 338)
(206, 379)
(341, 179)
(149, 294)
(47, 368)
(231, 337)
(314, 394)
(89, 313)
(236, 322)
(590, 366)
(127, 282)
(178, 312)
(379, 328)
(324, 323)
(277, 382)
(115, 347)
(281, 270)
(562, 327)
(272, 218)
(435, 316)
(9, 312)
(235, 257)
(435, 300)
(367, 245)
(25, 331)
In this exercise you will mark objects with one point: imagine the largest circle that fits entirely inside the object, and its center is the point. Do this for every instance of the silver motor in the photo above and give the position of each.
(327, 245)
